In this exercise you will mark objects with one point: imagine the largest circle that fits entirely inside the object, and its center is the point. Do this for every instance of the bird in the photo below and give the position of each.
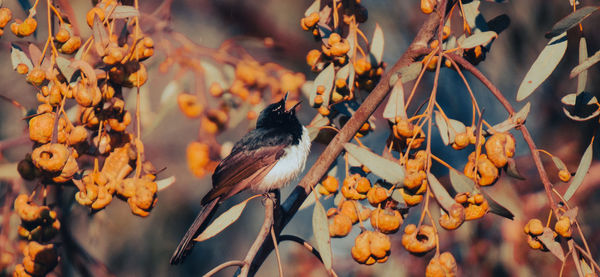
(265, 159)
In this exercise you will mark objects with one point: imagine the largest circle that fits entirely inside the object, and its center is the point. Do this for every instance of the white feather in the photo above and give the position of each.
(288, 167)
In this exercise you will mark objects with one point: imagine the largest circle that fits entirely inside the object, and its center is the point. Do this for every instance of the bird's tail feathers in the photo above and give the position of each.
(200, 223)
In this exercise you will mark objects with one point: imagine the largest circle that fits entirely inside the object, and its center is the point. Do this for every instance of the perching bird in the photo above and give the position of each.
(267, 158)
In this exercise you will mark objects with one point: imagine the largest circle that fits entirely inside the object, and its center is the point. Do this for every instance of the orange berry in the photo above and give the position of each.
(340, 226)
(36, 76)
(27, 27)
(427, 6)
(5, 17)
(318, 100)
(331, 184)
(563, 227)
(72, 45)
(313, 57)
(22, 69)
(361, 66)
(446, 32)
(92, 13)
(363, 185)
(324, 111)
(377, 195)
(564, 175)
(432, 65)
(62, 35)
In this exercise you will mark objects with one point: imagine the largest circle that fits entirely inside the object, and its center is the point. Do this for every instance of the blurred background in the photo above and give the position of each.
(493, 246)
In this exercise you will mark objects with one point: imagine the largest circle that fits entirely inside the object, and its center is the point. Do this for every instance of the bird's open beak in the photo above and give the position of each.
(294, 107)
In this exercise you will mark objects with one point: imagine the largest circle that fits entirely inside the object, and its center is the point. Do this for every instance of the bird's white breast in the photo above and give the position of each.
(288, 167)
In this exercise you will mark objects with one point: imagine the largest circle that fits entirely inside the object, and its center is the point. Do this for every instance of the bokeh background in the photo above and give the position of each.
(493, 246)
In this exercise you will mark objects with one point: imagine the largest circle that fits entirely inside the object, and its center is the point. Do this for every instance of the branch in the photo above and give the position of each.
(222, 266)
(262, 235)
(289, 208)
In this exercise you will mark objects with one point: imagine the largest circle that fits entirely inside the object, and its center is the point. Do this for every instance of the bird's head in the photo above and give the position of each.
(276, 115)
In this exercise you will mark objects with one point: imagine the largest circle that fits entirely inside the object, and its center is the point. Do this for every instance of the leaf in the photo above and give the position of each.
(388, 170)
(325, 79)
(512, 170)
(407, 73)
(583, 55)
(585, 268)
(512, 121)
(223, 221)
(17, 56)
(580, 107)
(100, 35)
(482, 38)
(351, 38)
(63, 65)
(87, 69)
(35, 53)
(571, 213)
(545, 63)
(460, 182)
(377, 44)
(547, 238)
(582, 169)
(310, 199)
(395, 104)
(559, 163)
(496, 208)
(570, 21)
(440, 121)
(583, 66)
(315, 126)
(314, 8)
(455, 127)
(321, 232)
(441, 194)
(165, 183)
(124, 11)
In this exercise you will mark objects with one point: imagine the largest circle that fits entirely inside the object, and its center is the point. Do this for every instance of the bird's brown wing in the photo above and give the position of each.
(242, 169)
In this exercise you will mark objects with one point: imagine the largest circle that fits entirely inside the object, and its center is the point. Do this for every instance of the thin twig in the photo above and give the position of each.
(273, 237)
(260, 238)
(582, 251)
(224, 265)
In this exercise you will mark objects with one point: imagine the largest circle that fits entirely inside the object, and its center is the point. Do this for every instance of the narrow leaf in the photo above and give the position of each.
(325, 79)
(165, 183)
(100, 35)
(321, 232)
(512, 170)
(582, 169)
(124, 11)
(314, 8)
(514, 120)
(441, 195)
(547, 238)
(570, 21)
(310, 199)
(583, 55)
(223, 221)
(559, 163)
(63, 65)
(315, 126)
(395, 104)
(17, 56)
(35, 53)
(482, 38)
(496, 208)
(571, 213)
(583, 66)
(460, 182)
(388, 170)
(543, 66)
(411, 72)
(440, 121)
(87, 69)
(377, 44)
(585, 268)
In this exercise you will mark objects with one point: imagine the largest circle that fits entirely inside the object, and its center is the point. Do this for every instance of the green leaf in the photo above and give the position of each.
(124, 11)
(18, 56)
(310, 199)
(547, 238)
(325, 79)
(583, 55)
(321, 232)
(460, 182)
(570, 21)
(582, 169)
(440, 121)
(223, 221)
(512, 121)
(512, 170)
(377, 44)
(314, 8)
(559, 163)
(315, 126)
(389, 170)
(35, 53)
(543, 66)
(87, 69)
(101, 39)
(165, 182)
(407, 73)
(455, 127)
(496, 208)
(395, 104)
(585, 268)
(583, 66)
(482, 38)
(63, 65)
(580, 107)
(441, 195)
